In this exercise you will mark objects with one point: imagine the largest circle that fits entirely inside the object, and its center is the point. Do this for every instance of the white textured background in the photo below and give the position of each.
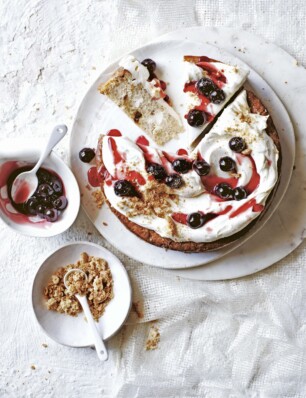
(228, 339)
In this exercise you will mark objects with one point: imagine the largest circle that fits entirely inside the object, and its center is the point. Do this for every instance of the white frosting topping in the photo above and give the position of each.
(236, 120)
(235, 77)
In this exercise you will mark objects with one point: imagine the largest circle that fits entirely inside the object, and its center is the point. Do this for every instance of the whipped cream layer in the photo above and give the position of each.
(233, 79)
(256, 170)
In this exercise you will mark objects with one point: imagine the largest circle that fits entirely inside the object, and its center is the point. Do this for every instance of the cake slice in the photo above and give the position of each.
(210, 84)
(141, 95)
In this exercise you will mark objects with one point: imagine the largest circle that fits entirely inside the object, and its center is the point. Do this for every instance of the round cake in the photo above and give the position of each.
(199, 198)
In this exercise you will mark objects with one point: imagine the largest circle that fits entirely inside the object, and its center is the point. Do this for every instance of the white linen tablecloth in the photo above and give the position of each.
(239, 338)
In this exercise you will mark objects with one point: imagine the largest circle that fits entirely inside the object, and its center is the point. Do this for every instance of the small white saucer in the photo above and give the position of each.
(24, 153)
(74, 331)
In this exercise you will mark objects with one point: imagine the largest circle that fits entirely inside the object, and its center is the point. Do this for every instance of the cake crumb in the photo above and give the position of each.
(98, 198)
(88, 187)
(44, 345)
(155, 201)
(105, 224)
(136, 305)
(33, 367)
(153, 339)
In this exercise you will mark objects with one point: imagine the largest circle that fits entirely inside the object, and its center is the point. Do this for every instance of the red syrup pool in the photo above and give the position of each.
(39, 209)
(94, 177)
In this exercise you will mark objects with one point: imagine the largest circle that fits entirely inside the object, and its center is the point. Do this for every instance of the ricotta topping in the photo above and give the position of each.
(256, 170)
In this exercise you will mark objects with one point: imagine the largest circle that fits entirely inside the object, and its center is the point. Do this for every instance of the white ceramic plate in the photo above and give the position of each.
(97, 115)
(24, 152)
(74, 331)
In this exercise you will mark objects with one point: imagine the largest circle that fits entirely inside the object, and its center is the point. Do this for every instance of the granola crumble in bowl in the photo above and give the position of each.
(107, 287)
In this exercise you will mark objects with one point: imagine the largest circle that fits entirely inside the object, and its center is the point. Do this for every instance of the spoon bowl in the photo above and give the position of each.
(25, 184)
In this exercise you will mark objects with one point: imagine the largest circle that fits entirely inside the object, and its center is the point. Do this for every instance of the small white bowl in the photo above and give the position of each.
(25, 153)
(74, 331)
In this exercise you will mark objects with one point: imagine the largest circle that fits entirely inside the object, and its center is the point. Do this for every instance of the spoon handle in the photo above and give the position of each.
(57, 134)
(98, 341)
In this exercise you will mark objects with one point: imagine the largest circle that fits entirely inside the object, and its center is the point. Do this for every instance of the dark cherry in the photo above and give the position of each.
(86, 155)
(195, 220)
(31, 205)
(174, 181)
(124, 188)
(151, 77)
(196, 118)
(44, 190)
(201, 167)
(57, 186)
(40, 210)
(223, 190)
(227, 164)
(51, 215)
(237, 144)
(149, 64)
(43, 176)
(205, 86)
(181, 165)
(239, 193)
(157, 171)
(60, 203)
(217, 96)
(46, 201)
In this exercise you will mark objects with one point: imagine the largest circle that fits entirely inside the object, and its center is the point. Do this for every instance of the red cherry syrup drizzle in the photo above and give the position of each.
(191, 87)
(213, 73)
(97, 177)
(114, 133)
(182, 217)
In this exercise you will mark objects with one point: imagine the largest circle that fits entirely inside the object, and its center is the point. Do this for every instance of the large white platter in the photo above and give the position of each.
(97, 115)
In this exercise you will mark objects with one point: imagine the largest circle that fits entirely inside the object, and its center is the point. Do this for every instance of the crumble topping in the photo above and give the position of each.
(77, 283)
(154, 201)
(98, 198)
(98, 289)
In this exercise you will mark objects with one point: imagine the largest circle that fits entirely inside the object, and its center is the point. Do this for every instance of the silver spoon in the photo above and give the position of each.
(98, 341)
(25, 184)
